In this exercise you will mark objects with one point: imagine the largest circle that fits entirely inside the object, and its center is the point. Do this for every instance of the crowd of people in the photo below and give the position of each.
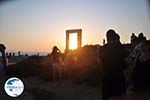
(111, 57)
(136, 40)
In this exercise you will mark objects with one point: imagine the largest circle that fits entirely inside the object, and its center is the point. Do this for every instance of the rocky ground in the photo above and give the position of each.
(37, 89)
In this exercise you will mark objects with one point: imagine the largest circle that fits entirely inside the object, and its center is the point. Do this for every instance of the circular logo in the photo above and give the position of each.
(14, 87)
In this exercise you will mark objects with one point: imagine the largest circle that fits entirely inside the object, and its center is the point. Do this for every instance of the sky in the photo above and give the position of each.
(38, 25)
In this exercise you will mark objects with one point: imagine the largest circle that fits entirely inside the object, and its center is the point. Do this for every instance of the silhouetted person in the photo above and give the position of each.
(112, 57)
(10, 54)
(38, 54)
(103, 41)
(13, 54)
(26, 54)
(141, 72)
(57, 63)
(4, 59)
(19, 53)
(118, 38)
(141, 37)
(134, 40)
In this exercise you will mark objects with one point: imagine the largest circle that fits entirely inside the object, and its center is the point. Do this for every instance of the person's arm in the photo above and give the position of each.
(58, 50)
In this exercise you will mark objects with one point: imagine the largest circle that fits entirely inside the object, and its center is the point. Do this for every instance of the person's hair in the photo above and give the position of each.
(133, 34)
(54, 49)
(2, 46)
(111, 35)
(140, 35)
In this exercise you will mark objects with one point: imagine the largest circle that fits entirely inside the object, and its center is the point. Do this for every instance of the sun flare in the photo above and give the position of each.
(73, 41)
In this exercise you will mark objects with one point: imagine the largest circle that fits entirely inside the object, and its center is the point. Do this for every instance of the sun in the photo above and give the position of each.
(73, 41)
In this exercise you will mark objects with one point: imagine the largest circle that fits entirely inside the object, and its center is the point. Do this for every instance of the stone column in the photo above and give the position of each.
(79, 39)
(67, 41)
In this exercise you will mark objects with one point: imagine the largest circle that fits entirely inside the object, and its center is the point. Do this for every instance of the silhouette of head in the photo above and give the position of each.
(111, 35)
(140, 35)
(55, 49)
(2, 48)
(133, 34)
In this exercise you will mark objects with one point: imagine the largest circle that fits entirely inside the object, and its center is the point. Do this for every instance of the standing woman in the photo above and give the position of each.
(3, 64)
(57, 63)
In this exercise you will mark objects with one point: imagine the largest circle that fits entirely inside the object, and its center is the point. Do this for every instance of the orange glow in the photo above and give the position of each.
(73, 41)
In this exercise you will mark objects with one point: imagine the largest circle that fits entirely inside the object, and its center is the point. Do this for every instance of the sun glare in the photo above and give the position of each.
(73, 41)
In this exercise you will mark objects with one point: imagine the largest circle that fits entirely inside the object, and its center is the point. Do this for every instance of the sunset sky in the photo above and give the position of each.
(38, 25)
